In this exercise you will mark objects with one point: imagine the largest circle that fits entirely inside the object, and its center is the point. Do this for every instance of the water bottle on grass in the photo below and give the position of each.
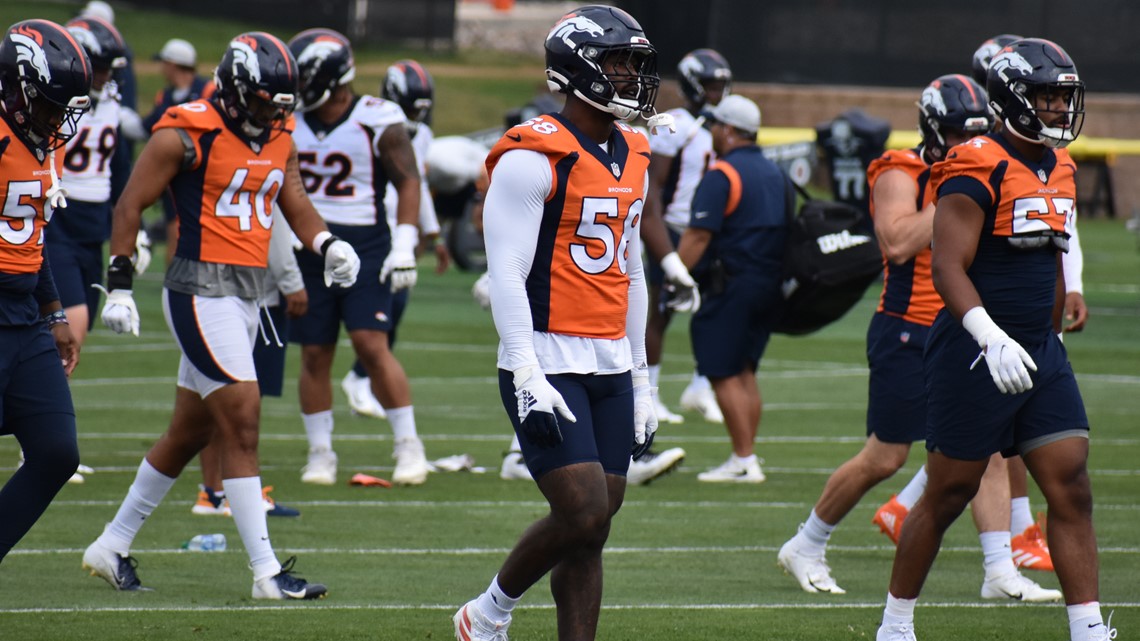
(206, 543)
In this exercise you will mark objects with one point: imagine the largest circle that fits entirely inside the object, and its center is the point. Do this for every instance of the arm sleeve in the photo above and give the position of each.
(282, 260)
(512, 216)
(638, 312)
(1073, 261)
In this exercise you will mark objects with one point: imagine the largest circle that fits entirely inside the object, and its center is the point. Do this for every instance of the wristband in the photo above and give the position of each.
(328, 241)
(55, 318)
(120, 273)
(318, 242)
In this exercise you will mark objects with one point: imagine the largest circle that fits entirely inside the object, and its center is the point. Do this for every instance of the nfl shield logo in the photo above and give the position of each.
(1042, 176)
(617, 170)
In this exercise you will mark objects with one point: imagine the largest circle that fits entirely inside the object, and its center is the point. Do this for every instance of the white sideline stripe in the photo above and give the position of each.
(731, 549)
(1120, 379)
(665, 439)
(451, 607)
(530, 505)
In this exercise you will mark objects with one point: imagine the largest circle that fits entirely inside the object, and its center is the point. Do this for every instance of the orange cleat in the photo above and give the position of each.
(1031, 550)
(890, 518)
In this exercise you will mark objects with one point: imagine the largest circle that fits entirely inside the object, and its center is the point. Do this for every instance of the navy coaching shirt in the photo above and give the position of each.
(742, 201)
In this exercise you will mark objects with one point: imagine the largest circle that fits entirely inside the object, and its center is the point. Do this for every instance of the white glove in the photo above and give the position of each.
(341, 264)
(1008, 361)
(401, 261)
(683, 293)
(119, 312)
(644, 415)
(538, 401)
(141, 258)
(481, 290)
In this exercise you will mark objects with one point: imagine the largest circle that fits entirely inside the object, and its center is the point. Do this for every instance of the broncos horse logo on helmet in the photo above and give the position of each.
(986, 52)
(701, 66)
(102, 41)
(257, 83)
(325, 60)
(409, 85)
(951, 102)
(1026, 70)
(579, 45)
(45, 78)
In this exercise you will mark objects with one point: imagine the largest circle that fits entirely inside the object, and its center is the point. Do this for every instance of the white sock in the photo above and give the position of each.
(319, 429)
(1020, 516)
(148, 490)
(495, 603)
(699, 383)
(815, 534)
(654, 374)
(898, 610)
(913, 490)
(244, 495)
(403, 420)
(997, 555)
(744, 460)
(1082, 616)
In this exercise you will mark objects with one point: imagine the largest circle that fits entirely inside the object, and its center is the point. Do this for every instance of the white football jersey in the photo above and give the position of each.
(691, 145)
(341, 167)
(428, 221)
(87, 159)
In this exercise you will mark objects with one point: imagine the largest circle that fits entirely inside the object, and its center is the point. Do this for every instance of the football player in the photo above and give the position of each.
(952, 110)
(75, 242)
(409, 85)
(1004, 201)
(228, 161)
(679, 160)
(561, 223)
(350, 147)
(45, 79)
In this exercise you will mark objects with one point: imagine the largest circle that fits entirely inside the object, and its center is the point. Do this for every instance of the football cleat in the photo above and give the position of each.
(77, 478)
(358, 389)
(734, 472)
(702, 400)
(285, 585)
(411, 464)
(651, 465)
(889, 517)
(895, 632)
(108, 565)
(812, 573)
(514, 468)
(210, 504)
(273, 508)
(665, 415)
(473, 625)
(1017, 587)
(1031, 550)
(321, 468)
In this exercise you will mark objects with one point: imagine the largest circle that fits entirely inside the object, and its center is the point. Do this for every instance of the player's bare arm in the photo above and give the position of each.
(693, 245)
(653, 231)
(399, 162)
(957, 228)
(902, 231)
(303, 218)
(157, 165)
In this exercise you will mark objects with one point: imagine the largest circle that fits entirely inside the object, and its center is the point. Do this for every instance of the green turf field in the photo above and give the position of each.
(686, 560)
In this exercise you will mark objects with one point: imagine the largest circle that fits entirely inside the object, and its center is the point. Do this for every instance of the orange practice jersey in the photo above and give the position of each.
(908, 290)
(224, 201)
(24, 183)
(1026, 206)
(578, 284)
(1030, 201)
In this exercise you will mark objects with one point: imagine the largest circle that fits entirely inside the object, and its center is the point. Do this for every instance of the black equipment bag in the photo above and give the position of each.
(829, 262)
